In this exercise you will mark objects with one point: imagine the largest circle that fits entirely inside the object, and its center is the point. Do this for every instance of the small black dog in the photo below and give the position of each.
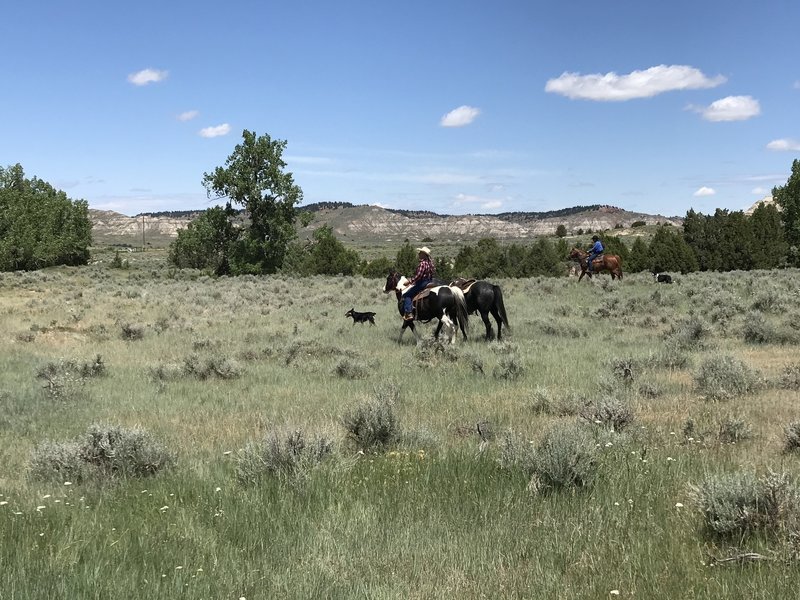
(662, 277)
(361, 317)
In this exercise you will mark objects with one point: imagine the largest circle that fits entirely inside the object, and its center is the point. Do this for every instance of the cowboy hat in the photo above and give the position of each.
(424, 249)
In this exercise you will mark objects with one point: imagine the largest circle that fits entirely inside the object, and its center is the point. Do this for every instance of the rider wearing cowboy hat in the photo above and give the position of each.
(595, 251)
(422, 277)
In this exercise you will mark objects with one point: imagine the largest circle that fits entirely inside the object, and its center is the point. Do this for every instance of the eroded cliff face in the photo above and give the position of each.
(378, 224)
(110, 223)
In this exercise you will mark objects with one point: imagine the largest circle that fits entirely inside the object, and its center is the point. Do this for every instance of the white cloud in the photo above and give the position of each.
(783, 145)
(759, 191)
(146, 76)
(492, 204)
(459, 117)
(730, 108)
(188, 115)
(705, 191)
(216, 131)
(637, 84)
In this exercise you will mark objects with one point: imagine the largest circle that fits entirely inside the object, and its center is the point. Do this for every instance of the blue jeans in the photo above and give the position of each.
(589, 260)
(409, 294)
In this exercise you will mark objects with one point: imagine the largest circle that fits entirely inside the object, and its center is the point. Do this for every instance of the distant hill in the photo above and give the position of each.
(367, 224)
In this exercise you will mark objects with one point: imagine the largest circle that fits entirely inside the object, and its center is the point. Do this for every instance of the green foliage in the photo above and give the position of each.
(669, 251)
(285, 456)
(791, 437)
(375, 269)
(561, 231)
(611, 413)
(728, 241)
(638, 257)
(788, 198)
(406, 260)
(39, 225)
(208, 243)
(104, 451)
(325, 255)
(489, 259)
(254, 178)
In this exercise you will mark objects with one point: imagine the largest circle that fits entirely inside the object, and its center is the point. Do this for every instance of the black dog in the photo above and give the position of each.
(662, 277)
(361, 317)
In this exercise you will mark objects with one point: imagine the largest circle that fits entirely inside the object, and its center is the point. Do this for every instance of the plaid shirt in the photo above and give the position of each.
(425, 270)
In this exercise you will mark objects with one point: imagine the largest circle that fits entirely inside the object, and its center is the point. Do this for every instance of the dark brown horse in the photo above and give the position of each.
(610, 263)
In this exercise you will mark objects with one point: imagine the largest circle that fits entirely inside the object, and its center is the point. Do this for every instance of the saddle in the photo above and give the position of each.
(463, 284)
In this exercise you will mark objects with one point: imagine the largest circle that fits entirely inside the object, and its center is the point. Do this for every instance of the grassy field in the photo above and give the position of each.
(655, 390)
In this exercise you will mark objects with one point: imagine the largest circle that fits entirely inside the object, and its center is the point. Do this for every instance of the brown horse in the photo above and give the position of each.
(605, 262)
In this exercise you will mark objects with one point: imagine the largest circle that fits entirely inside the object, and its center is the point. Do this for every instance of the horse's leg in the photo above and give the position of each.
(438, 328)
(496, 315)
(451, 328)
(487, 323)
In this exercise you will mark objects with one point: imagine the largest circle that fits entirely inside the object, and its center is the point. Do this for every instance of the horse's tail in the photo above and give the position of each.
(501, 308)
(462, 314)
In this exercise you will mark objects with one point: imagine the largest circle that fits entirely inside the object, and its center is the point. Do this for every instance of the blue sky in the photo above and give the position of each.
(454, 107)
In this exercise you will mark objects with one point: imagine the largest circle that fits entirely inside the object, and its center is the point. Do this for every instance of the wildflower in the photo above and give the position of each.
(670, 459)
(3, 503)
(609, 444)
(218, 489)
(616, 503)
(41, 534)
(678, 505)
(178, 568)
(40, 508)
(164, 508)
(143, 492)
(67, 483)
(614, 593)
(45, 497)
(227, 452)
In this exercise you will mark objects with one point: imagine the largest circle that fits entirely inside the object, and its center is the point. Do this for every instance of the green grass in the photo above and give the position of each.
(436, 515)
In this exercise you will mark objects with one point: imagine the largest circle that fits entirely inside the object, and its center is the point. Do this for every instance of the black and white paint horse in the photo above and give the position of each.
(442, 302)
(485, 298)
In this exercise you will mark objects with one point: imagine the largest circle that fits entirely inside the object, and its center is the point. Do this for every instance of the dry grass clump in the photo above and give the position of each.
(611, 413)
(64, 378)
(791, 437)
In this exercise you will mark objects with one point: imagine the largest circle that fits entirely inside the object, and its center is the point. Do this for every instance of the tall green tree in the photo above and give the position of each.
(253, 177)
(639, 257)
(769, 242)
(406, 260)
(669, 252)
(788, 198)
(39, 225)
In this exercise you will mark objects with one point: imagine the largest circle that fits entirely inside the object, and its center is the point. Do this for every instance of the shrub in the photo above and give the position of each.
(372, 424)
(509, 368)
(739, 503)
(791, 437)
(757, 330)
(287, 456)
(104, 451)
(132, 332)
(566, 457)
(609, 412)
(691, 333)
(63, 378)
(734, 430)
(351, 369)
(723, 377)
(790, 378)
(214, 367)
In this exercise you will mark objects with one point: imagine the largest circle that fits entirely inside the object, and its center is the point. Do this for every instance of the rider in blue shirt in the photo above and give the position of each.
(595, 251)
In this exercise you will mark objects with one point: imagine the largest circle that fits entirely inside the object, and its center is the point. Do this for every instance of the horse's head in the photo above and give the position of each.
(391, 282)
(576, 253)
